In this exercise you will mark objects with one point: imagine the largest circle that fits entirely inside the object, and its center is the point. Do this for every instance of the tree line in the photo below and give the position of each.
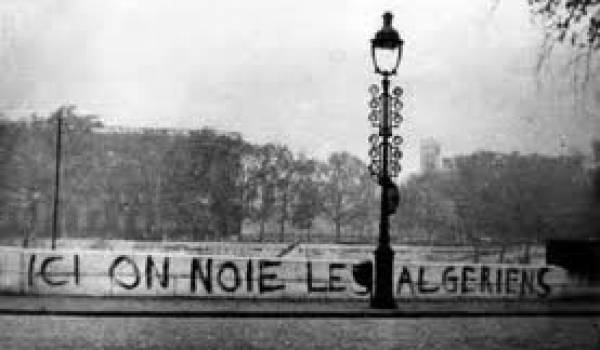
(208, 185)
(496, 197)
(187, 184)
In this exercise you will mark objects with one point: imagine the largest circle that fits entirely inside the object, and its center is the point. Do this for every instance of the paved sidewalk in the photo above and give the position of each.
(191, 307)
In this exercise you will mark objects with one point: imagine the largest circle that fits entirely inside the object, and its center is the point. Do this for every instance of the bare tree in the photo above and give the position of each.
(306, 203)
(342, 190)
(284, 171)
(575, 23)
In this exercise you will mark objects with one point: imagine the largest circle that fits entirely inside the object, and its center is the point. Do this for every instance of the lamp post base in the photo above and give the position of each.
(383, 293)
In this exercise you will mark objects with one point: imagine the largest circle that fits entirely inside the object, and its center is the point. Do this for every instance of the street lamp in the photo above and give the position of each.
(384, 114)
(62, 112)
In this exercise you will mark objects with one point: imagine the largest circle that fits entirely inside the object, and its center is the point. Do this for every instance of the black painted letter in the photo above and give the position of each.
(43, 271)
(205, 275)
(449, 281)
(422, 283)
(309, 280)
(336, 278)
(484, 283)
(542, 283)
(467, 279)
(263, 277)
(236, 277)
(151, 267)
(511, 280)
(136, 272)
(527, 277)
(405, 278)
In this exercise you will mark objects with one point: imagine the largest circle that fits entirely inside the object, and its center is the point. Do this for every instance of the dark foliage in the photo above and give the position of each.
(208, 185)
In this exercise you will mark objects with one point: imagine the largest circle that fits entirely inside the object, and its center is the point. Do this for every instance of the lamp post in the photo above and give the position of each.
(386, 51)
(60, 114)
(58, 152)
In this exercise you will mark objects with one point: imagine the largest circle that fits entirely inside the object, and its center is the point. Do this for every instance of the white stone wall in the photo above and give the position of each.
(127, 273)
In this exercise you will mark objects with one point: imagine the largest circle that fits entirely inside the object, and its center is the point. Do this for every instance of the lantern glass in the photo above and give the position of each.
(386, 47)
(374, 103)
(373, 116)
(374, 152)
(397, 153)
(374, 139)
(398, 104)
(374, 168)
(386, 59)
(374, 90)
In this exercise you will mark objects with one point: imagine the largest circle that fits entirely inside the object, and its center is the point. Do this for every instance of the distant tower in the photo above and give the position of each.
(596, 171)
(596, 153)
(562, 144)
(430, 155)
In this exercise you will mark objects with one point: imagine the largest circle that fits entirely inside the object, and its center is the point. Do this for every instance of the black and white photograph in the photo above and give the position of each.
(316, 174)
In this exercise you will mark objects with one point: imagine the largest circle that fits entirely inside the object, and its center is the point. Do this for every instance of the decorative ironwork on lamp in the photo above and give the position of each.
(385, 115)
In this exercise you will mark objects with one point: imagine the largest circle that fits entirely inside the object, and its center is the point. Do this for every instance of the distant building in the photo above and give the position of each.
(430, 155)
(448, 163)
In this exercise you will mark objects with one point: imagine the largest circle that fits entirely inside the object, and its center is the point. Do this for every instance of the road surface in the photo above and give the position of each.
(62, 323)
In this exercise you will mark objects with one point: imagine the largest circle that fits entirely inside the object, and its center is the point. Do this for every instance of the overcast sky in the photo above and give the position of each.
(294, 72)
